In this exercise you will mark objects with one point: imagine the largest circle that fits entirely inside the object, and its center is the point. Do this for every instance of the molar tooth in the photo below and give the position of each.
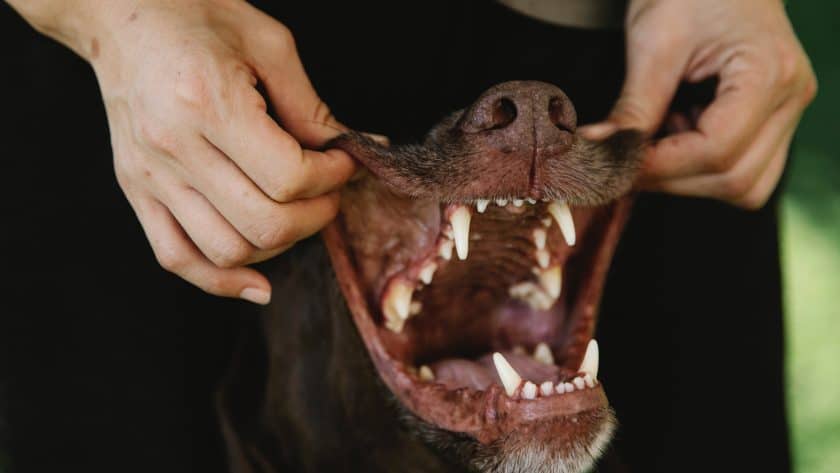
(426, 373)
(532, 294)
(579, 383)
(415, 308)
(543, 258)
(501, 202)
(445, 249)
(427, 271)
(587, 378)
(518, 202)
(590, 360)
(460, 220)
(560, 388)
(546, 388)
(561, 212)
(481, 205)
(510, 378)
(529, 391)
(543, 354)
(551, 280)
(397, 304)
(569, 387)
(540, 236)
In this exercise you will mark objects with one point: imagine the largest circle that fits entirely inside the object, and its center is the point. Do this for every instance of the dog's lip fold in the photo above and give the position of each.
(488, 414)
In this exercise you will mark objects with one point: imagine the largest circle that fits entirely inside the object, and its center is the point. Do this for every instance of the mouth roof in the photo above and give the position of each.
(487, 325)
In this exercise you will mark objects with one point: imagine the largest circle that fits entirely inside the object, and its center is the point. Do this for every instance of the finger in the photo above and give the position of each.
(732, 185)
(766, 184)
(724, 131)
(217, 239)
(177, 254)
(272, 158)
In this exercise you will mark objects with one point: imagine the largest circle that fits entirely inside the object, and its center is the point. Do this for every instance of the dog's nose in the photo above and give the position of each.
(519, 113)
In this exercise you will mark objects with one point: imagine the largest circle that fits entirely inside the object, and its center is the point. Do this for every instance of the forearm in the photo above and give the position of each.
(73, 23)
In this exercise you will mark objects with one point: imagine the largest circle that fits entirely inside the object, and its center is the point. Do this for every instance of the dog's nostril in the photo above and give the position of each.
(504, 113)
(558, 115)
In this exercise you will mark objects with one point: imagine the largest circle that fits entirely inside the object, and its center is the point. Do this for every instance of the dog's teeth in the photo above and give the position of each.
(546, 222)
(543, 258)
(531, 201)
(460, 221)
(569, 387)
(428, 271)
(563, 215)
(546, 388)
(481, 205)
(551, 280)
(519, 350)
(579, 383)
(426, 373)
(415, 308)
(532, 294)
(510, 378)
(445, 249)
(529, 391)
(589, 364)
(518, 202)
(501, 202)
(587, 378)
(543, 354)
(560, 388)
(540, 236)
(397, 304)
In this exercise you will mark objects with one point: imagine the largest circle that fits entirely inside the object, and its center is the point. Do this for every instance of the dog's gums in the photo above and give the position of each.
(473, 265)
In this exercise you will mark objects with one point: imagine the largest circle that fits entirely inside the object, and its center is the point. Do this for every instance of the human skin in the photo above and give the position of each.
(217, 184)
(736, 149)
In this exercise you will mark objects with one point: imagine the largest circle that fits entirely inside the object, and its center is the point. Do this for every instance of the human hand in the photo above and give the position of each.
(736, 150)
(215, 182)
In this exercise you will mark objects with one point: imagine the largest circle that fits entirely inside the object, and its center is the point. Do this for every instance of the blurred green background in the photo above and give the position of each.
(811, 251)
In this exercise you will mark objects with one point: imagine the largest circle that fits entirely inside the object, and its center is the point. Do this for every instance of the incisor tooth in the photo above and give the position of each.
(445, 249)
(546, 388)
(481, 205)
(510, 378)
(543, 258)
(563, 215)
(518, 202)
(426, 373)
(543, 354)
(551, 280)
(590, 360)
(560, 388)
(397, 304)
(427, 271)
(569, 387)
(529, 391)
(415, 308)
(501, 202)
(460, 220)
(531, 200)
(540, 236)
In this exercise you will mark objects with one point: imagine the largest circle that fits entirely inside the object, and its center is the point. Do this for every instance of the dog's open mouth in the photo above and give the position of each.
(474, 282)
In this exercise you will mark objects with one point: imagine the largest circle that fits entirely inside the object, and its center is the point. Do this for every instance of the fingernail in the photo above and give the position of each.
(257, 296)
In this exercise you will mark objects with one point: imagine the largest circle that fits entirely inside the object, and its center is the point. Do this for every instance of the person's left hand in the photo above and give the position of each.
(737, 148)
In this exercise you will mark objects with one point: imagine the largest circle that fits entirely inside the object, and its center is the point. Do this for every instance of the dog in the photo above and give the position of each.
(444, 321)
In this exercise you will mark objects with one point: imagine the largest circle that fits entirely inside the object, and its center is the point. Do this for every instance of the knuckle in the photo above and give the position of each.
(276, 235)
(809, 92)
(733, 187)
(158, 136)
(789, 66)
(191, 88)
(170, 258)
(215, 284)
(230, 254)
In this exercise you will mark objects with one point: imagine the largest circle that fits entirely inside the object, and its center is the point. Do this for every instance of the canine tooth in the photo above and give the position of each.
(543, 258)
(397, 304)
(531, 201)
(546, 388)
(426, 373)
(460, 220)
(529, 391)
(445, 249)
(579, 383)
(590, 360)
(551, 280)
(518, 202)
(569, 387)
(560, 388)
(427, 271)
(587, 378)
(510, 378)
(540, 236)
(415, 308)
(501, 202)
(481, 205)
(543, 354)
(561, 212)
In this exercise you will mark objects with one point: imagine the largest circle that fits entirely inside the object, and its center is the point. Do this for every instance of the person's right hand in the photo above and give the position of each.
(215, 182)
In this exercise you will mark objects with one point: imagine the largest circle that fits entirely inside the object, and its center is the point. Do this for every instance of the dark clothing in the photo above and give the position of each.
(109, 363)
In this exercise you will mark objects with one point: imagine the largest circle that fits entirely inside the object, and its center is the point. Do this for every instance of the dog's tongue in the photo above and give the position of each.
(478, 374)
